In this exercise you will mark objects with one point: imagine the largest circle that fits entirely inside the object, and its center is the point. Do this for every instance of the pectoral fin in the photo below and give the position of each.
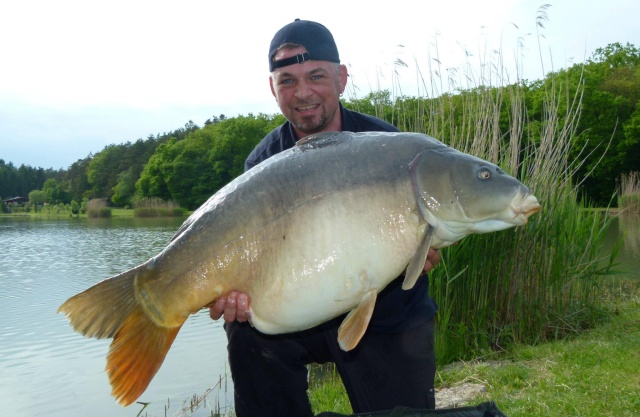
(355, 324)
(416, 265)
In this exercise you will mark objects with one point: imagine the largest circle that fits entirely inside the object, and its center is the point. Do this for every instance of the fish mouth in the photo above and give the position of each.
(524, 206)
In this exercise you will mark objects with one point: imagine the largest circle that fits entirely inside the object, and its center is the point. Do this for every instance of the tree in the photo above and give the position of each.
(55, 194)
(125, 189)
(37, 197)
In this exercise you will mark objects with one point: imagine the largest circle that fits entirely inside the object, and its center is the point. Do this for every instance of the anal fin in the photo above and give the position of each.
(355, 324)
(416, 265)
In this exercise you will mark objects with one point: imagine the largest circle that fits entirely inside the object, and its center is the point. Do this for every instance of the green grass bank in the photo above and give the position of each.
(596, 373)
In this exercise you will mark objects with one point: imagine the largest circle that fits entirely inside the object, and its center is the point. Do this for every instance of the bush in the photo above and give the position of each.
(97, 207)
(4, 208)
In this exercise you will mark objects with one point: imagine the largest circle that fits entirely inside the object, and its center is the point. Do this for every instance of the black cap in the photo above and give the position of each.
(315, 38)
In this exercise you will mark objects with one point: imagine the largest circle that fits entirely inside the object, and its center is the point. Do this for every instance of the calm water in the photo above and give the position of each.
(627, 228)
(48, 369)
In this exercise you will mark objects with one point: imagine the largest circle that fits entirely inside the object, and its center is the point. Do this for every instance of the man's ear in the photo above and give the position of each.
(344, 74)
(273, 91)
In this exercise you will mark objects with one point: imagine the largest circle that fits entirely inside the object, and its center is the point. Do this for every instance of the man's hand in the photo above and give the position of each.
(433, 259)
(235, 306)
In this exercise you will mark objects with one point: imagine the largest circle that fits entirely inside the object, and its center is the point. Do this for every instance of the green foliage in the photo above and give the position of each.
(38, 197)
(609, 119)
(18, 181)
(54, 191)
(125, 189)
(75, 207)
(191, 170)
(3, 207)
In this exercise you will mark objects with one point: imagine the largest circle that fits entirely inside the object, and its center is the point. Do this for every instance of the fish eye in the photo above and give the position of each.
(484, 173)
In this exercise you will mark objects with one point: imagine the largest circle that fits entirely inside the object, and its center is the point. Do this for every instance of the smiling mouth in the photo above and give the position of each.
(307, 108)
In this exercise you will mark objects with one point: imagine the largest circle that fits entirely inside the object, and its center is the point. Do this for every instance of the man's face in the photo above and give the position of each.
(308, 94)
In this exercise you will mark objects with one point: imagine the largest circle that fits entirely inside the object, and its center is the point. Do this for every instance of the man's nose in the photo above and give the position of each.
(303, 90)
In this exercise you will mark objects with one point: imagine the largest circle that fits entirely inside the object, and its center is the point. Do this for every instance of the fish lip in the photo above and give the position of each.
(524, 206)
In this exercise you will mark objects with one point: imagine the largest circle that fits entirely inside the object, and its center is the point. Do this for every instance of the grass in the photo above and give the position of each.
(596, 373)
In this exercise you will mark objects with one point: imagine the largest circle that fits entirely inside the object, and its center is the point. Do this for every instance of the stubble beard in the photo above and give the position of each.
(311, 124)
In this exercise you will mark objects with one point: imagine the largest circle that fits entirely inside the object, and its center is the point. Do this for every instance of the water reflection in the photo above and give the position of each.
(47, 368)
(629, 228)
(625, 227)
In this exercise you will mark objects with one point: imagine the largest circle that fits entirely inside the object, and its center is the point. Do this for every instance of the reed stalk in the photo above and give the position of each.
(629, 197)
(529, 284)
(97, 207)
(156, 207)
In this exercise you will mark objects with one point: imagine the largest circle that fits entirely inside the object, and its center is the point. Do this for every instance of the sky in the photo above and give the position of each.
(76, 76)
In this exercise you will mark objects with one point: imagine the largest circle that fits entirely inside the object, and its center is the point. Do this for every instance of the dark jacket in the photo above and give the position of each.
(396, 309)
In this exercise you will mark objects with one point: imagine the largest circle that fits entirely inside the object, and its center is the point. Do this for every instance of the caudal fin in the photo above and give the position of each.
(110, 309)
(101, 309)
(135, 355)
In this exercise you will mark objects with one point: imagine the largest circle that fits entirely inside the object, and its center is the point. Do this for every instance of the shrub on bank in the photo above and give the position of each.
(97, 208)
(157, 207)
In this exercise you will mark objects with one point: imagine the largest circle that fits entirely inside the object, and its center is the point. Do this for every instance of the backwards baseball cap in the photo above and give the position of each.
(315, 38)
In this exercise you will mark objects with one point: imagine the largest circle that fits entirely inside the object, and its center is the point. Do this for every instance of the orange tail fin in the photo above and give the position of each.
(110, 309)
(136, 353)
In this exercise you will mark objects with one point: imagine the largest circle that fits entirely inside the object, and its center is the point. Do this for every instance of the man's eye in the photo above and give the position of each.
(316, 77)
(286, 81)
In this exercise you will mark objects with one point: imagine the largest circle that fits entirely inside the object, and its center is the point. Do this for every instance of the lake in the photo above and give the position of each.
(48, 369)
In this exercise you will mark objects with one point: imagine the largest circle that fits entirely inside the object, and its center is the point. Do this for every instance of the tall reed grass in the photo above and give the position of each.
(629, 197)
(157, 207)
(521, 285)
(97, 207)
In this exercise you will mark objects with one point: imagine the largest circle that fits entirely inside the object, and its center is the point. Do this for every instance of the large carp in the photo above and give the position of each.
(309, 234)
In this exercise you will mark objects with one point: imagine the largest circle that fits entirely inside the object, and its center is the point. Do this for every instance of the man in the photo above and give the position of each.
(394, 363)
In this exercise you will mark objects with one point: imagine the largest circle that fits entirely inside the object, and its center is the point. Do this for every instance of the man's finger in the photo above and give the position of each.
(217, 309)
(230, 309)
(243, 308)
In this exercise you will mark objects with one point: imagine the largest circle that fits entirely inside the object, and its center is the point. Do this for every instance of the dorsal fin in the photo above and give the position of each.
(318, 138)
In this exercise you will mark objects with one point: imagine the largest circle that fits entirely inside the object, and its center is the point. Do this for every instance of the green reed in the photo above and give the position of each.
(529, 284)
(157, 207)
(629, 197)
(97, 207)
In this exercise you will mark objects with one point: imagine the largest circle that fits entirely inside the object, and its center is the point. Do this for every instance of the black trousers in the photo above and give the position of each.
(385, 370)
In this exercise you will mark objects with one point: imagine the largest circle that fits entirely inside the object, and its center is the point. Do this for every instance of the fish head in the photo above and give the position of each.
(460, 194)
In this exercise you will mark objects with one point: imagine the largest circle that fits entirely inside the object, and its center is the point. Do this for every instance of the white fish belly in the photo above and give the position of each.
(332, 251)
